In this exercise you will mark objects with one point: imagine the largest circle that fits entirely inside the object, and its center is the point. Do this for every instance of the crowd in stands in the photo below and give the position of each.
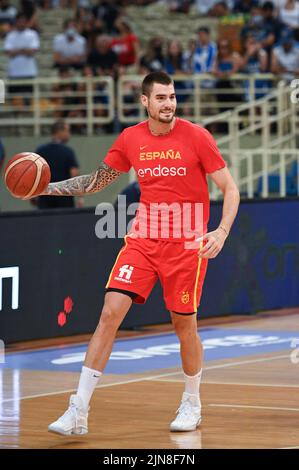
(98, 39)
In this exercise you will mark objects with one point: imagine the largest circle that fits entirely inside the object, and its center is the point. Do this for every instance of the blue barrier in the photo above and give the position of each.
(63, 268)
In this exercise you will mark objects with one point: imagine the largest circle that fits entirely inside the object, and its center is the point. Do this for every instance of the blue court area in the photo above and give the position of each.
(157, 352)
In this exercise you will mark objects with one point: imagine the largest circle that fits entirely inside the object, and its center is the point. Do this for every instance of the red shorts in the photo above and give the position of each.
(142, 261)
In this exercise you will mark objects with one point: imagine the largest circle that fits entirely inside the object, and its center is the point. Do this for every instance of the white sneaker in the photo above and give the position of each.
(73, 421)
(188, 414)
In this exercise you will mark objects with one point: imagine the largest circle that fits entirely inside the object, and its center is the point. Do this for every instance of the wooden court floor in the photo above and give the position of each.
(248, 402)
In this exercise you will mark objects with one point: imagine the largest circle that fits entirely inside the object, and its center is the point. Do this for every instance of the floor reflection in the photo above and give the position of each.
(186, 440)
(9, 408)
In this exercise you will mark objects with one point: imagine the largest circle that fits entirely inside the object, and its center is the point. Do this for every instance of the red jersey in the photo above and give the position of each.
(171, 172)
(124, 48)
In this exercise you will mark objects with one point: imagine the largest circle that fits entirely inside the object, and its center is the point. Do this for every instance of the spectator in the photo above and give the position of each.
(254, 57)
(132, 193)
(254, 60)
(2, 154)
(289, 14)
(174, 64)
(28, 8)
(227, 64)
(203, 61)
(63, 165)
(245, 6)
(153, 59)
(219, 10)
(179, 6)
(69, 100)
(285, 57)
(102, 59)
(206, 7)
(106, 12)
(264, 26)
(272, 27)
(126, 45)
(21, 45)
(69, 47)
(188, 56)
(88, 27)
(174, 57)
(7, 16)
(205, 53)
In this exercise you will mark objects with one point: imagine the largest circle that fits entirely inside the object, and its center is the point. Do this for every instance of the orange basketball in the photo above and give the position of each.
(27, 175)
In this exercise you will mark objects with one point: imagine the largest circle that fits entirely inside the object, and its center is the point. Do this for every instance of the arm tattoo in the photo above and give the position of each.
(85, 184)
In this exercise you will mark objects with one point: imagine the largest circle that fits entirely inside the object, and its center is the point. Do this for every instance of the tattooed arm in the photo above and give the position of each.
(85, 184)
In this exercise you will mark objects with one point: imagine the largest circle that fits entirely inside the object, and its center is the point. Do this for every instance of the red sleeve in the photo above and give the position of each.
(116, 157)
(209, 154)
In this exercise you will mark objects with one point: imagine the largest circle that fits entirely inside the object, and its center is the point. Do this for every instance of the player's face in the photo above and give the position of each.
(161, 104)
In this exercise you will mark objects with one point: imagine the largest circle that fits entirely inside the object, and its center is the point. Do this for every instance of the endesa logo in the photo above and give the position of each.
(162, 171)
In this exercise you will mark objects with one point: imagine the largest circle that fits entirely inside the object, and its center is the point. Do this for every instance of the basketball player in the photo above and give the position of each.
(172, 158)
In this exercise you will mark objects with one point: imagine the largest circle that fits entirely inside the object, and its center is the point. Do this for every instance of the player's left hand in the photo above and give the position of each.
(214, 243)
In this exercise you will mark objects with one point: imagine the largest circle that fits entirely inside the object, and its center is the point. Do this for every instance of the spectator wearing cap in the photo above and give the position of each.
(285, 57)
(69, 47)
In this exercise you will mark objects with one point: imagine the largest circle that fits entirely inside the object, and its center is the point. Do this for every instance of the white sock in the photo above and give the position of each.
(192, 383)
(89, 379)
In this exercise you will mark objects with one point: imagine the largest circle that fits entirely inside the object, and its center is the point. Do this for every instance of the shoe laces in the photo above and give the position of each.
(185, 410)
(71, 411)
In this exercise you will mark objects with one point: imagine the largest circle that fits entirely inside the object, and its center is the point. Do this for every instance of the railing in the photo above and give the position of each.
(86, 102)
(90, 102)
(198, 96)
(259, 135)
(269, 125)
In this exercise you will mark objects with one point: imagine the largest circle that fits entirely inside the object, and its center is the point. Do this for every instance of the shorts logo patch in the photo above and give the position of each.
(185, 297)
(125, 273)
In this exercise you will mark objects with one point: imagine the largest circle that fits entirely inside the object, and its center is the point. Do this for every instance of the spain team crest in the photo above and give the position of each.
(185, 297)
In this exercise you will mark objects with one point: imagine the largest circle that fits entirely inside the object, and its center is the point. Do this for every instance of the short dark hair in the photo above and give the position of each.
(268, 6)
(58, 126)
(19, 15)
(204, 29)
(67, 21)
(154, 77)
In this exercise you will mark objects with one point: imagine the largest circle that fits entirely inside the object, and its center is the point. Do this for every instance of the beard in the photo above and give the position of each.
(161, 117)
(166, 119)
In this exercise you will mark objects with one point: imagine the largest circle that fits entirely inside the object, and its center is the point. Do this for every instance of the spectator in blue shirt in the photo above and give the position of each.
(205, 53)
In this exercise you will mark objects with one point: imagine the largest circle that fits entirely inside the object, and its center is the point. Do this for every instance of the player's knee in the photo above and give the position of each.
(109, 317)
(184, 328)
